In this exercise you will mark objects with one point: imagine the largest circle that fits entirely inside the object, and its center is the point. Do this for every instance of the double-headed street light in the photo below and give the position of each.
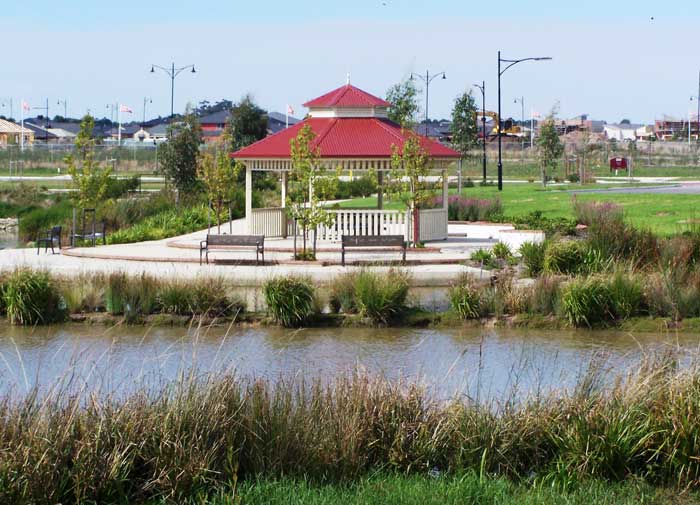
(427, 79)
(172, 72)
(482, 87)
(500, 120)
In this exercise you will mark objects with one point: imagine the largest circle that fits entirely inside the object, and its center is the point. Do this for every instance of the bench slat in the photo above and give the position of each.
(373, 241)
(235, 240)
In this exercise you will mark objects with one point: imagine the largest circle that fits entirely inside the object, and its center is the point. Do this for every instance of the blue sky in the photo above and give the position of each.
(610, 59)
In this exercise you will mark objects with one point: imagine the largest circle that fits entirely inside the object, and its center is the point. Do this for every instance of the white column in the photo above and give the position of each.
(445, 189)
(283, 184)
(249, 199)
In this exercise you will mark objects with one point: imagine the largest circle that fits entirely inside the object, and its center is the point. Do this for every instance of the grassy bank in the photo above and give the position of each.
(463, 490)
(204, 433)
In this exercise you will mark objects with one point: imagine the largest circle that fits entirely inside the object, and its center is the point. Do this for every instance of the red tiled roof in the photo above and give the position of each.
(347, 96)
(343, 138)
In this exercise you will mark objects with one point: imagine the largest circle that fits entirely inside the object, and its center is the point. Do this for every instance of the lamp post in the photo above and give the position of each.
(63, 102)
(172, 72)
(482, 87)
(510, 63)
(427, 79)
(697, 118)
(145, 101)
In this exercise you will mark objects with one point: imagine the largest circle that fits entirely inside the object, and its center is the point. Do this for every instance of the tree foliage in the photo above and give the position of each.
(410, 165)
(465, 133)
(247, 124)
(317, 183)
(403, 97)
(218, 175)
(90, 181)
(180, 153)
(549, 147)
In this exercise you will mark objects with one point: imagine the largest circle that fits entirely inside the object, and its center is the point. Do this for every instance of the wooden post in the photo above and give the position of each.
(445, 189)
(380, 189)
(249, 199)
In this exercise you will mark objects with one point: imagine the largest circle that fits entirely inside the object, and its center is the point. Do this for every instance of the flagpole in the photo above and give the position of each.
(21, 127)
(286, 117)
(119, 124)
(532, 128)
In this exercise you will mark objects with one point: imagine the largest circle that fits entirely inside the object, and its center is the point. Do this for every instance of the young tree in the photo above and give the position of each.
(315, 182)
(218, 175)
(465, 133)
(549, 148)
(410, 165)
(90, 182)
(180, 153)
(404, 103)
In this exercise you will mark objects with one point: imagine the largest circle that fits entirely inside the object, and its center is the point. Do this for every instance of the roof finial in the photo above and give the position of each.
(348, 79)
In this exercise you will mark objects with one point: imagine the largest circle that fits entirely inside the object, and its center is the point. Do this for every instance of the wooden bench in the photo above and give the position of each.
(364, 241)
(256, 241)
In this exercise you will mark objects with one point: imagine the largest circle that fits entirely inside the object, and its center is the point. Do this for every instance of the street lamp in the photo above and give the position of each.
(172, 72)
(427, 79)
(500, 121)
(63, 102)
(482, 87)
(145, 101)
(697, 118)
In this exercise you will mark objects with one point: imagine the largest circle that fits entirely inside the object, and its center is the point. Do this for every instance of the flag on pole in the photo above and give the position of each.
(290, 111)
(25, 106)
(125, 108)
(535, 114)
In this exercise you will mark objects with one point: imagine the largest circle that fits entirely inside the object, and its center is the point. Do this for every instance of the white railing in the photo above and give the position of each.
(364, 222)
(432, 224)
(269, 222)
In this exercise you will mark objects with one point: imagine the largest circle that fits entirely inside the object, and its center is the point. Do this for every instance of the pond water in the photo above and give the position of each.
(479, 364)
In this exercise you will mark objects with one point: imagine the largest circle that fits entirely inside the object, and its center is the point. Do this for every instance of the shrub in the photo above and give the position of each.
(533, 257)
(342, 294)
(564, 257)
(482, 256)
(84, 293)
(32, 298)
(468, 298)
(381, 298)
(501, 251)
(471, 209)
(203, 296)
(507, 297)
(119, 187)
(40, 219)
(290, 300)
(587, 302)
(132, 297)
(551, 226)
(625, 294)
(545, 295)
(573, 177)
(166, 224)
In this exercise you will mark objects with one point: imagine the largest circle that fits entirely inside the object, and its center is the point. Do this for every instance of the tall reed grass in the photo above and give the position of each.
(202, 433)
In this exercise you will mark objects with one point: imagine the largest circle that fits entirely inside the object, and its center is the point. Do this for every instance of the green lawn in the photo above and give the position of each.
(514, 169)
(664, 214)
(468, 489)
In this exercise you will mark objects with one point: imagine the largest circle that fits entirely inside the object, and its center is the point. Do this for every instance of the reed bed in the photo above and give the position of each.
(200, 434)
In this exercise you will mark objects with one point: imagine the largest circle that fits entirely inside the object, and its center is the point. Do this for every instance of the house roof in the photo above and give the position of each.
(9, 127)
(159, 129)
(278, 116)
(367, 137)
(347, 96)
(219, 117)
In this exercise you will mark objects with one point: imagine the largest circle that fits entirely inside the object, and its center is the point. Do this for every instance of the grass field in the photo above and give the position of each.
(514, 169)
(468, 489)
(664, 214)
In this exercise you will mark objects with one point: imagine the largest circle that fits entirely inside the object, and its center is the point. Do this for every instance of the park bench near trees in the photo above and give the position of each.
(230, 241)
(369, 241)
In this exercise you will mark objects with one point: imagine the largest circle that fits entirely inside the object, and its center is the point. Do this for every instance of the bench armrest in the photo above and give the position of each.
(202, 244)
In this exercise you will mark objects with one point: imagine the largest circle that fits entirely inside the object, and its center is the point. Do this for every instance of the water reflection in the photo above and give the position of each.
(471, 363)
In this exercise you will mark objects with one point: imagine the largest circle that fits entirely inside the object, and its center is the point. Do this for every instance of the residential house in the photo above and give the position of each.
(623, 131)
(11, 134)
(276, 122)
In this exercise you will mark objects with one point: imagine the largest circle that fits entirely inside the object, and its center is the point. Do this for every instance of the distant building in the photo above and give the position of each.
(11, 134)
(620, 132)
(276, 122)
(579, 124)
(670, 128)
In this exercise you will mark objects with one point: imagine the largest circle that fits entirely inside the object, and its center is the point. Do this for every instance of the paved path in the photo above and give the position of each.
(437, 265)
(682, 188)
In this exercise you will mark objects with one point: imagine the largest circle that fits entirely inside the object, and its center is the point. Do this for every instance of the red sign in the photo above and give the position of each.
(618, 163)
